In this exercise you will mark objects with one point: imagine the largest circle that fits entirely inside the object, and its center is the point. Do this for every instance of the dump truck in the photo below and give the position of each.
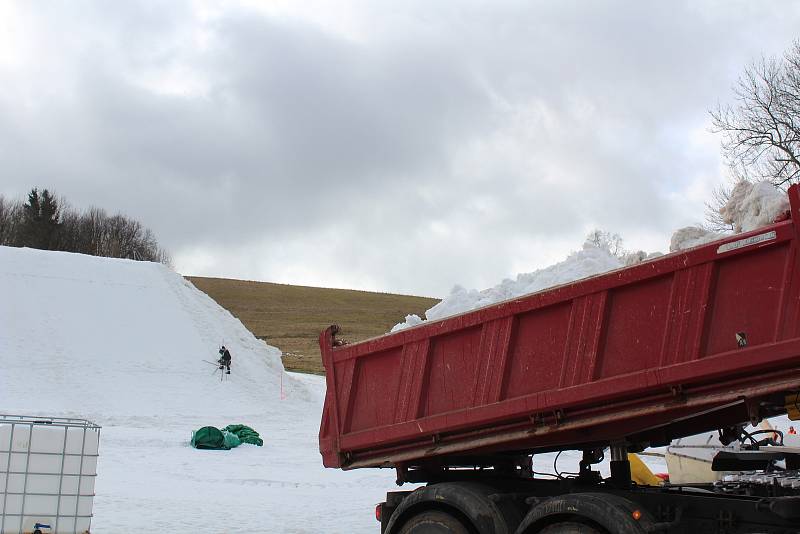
(706, 339)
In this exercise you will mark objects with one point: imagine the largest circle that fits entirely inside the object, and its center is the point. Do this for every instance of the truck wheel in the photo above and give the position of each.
(569, 527)
(433, 522)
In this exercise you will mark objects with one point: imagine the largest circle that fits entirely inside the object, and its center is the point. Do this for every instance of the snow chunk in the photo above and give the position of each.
(589, 261)
(753, 205)
(411, 320)
(632, 258)
(692, 236)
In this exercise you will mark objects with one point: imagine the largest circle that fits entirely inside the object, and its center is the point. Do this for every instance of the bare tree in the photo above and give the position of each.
(607, 241)
(762, 129)
(93, 231)
(720, 196)
(10, 217)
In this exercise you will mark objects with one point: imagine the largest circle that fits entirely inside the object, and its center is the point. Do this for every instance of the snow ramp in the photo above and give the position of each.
(95, 335)
(122, 343)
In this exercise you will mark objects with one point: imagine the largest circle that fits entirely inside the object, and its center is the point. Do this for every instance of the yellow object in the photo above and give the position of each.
(793, 406)
(641, 474)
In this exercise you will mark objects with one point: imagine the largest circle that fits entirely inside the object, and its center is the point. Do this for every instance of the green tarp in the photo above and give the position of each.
(245, 433)
(231, 436)
(208, 437)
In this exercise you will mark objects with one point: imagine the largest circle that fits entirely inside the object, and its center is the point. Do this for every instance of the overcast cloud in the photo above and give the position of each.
(389, 146)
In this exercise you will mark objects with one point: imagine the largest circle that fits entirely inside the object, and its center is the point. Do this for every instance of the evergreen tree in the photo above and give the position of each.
(40, 220)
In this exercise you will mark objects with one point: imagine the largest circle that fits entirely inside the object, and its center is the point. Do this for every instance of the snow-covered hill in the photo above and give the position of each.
(122, 343)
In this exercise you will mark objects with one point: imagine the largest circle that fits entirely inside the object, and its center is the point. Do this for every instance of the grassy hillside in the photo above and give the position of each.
(291, 317)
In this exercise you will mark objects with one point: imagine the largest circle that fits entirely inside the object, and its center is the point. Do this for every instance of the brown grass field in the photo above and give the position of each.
(291, 317)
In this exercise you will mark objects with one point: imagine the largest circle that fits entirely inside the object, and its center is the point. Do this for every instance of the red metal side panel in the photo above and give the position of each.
(537, 336)
(601, 357)
(636, 324)
(749, 290)
(687, 311)
(452, 364)
(376, 383)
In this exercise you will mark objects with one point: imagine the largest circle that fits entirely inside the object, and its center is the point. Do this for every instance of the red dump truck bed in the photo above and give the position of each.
(687, 342)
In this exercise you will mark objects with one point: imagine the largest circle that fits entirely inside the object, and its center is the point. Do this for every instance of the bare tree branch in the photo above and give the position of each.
(761, 131)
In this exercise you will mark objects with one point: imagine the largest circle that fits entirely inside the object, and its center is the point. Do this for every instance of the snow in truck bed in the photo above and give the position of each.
(749, 206)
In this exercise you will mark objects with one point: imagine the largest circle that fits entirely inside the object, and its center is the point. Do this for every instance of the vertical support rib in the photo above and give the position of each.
(414, 361)
(700, 304)
(492, 354)
(346, 395)
(583, 339)
(686, 316)
(594, 335)
(667, 344)
(571, 349)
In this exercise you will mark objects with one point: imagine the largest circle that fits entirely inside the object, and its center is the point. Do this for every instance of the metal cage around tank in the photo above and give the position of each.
(48, 468)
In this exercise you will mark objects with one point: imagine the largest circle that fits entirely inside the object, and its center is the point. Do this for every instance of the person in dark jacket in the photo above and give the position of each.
(225, 359)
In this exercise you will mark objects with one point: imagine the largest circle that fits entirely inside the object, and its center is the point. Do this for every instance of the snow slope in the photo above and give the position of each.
(121, 343)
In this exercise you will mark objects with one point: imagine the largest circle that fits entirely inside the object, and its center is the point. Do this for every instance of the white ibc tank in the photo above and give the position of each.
(48, 468)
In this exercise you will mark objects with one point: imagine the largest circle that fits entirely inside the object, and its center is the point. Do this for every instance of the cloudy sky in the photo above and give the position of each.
(391, 146)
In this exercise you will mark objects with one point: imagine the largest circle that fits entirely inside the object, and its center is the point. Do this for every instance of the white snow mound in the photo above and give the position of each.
(753, 205)
(112, 335)
(589, 261)
(750, 206)
(692, 236)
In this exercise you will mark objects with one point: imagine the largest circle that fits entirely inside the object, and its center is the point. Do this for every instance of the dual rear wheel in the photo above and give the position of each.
(438, 522)
(434, 522)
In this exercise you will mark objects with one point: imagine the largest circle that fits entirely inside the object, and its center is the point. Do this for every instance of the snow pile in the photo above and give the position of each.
(72, 319)
(753, 205)
(750, 206)
(122, 343)
(589, 261)
(632, 258)
(692, 236)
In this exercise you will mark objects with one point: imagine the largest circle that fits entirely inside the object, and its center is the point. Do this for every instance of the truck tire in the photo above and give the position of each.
(598, 512)
(569, 528)
(433, 522)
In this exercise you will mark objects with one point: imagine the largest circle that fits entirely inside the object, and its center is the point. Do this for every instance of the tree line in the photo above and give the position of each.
(47, 222)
